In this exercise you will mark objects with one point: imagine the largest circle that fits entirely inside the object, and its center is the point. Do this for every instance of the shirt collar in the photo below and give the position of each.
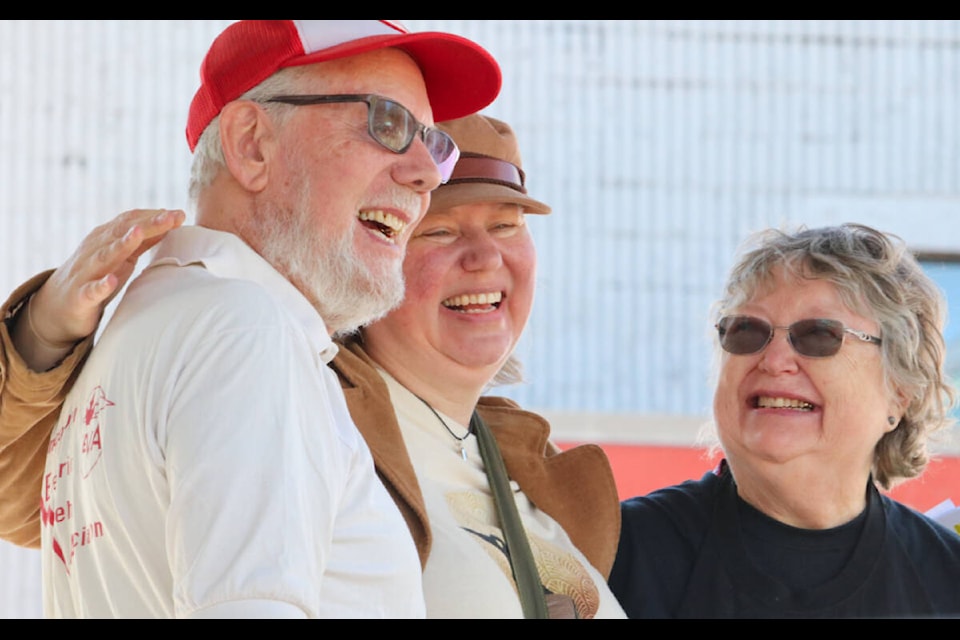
(227, 256)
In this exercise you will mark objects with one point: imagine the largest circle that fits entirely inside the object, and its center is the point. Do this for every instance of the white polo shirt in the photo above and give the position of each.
(205, 463)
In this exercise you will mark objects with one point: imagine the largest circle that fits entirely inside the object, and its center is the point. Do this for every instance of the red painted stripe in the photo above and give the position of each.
(641, 469)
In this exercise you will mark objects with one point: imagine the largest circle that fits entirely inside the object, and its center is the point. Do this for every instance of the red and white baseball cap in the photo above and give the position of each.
(461, 77)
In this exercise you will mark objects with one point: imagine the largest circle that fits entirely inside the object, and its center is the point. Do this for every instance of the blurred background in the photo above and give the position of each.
(660, 145)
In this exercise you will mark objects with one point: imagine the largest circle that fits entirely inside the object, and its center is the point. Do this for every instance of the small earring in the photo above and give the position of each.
(891, 420)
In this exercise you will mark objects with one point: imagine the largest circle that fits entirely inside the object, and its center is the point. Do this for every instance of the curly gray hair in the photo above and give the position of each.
(877, 277)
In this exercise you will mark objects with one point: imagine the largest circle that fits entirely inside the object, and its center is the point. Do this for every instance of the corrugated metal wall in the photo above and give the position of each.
(659, 144)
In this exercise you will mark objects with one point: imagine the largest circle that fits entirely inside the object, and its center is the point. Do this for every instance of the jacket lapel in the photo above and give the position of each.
(368, 400)
(575, 487)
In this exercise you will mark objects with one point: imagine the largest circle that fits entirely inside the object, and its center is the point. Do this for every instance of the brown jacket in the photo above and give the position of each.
(29, 407)
(576, 487)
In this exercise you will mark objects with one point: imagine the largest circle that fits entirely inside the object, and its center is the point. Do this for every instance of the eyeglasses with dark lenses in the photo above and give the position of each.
(392, 126)
(813, 338)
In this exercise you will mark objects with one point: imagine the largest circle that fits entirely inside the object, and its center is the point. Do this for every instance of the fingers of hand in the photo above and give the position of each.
(98, 291)
(155, 230)
(152, 221)
(121, 225)
(112, 255)
(113, 246)
(164, 221)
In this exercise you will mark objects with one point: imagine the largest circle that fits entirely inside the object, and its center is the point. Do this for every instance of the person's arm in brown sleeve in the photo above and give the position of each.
(29, 406)
(46, 332)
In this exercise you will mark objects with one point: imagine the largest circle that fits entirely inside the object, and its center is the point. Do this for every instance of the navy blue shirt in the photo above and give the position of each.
(696, 550)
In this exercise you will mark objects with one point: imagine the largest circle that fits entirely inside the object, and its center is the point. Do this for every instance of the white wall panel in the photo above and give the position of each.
(661, 143)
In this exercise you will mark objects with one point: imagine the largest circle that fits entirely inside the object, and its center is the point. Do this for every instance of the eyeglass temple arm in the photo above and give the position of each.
(863, 335)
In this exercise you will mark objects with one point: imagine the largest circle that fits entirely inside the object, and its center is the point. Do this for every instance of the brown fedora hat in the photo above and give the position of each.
(489, 169)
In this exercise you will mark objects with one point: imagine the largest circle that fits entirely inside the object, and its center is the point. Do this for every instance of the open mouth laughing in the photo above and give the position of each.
(475, 302)
(386, 224)
(767, 402)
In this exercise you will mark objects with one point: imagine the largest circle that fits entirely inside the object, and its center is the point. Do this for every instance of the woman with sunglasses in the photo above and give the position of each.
(413, 383)
(830, 384)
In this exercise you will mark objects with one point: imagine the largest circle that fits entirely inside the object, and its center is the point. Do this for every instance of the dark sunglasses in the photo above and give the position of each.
(392, 126)
(814, 338)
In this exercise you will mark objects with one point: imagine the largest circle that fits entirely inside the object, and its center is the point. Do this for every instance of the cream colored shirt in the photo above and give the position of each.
(205, 463)
(468, 574)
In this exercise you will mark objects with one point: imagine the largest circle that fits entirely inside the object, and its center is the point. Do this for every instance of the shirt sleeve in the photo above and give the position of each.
(30, 403)
(660, 538)
(251, 457)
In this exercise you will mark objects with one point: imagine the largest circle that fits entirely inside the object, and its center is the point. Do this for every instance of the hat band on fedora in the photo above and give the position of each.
(478, 168)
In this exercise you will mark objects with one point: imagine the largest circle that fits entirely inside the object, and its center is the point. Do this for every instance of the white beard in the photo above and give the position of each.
(347, 292)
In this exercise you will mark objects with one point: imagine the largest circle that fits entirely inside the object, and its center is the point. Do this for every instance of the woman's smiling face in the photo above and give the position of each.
(779, 407)
(470, 276)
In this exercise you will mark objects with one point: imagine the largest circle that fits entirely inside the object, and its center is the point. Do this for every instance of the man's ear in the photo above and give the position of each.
(245, 133)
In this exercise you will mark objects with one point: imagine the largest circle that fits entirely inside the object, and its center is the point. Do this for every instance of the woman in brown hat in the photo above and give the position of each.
(414, 382)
